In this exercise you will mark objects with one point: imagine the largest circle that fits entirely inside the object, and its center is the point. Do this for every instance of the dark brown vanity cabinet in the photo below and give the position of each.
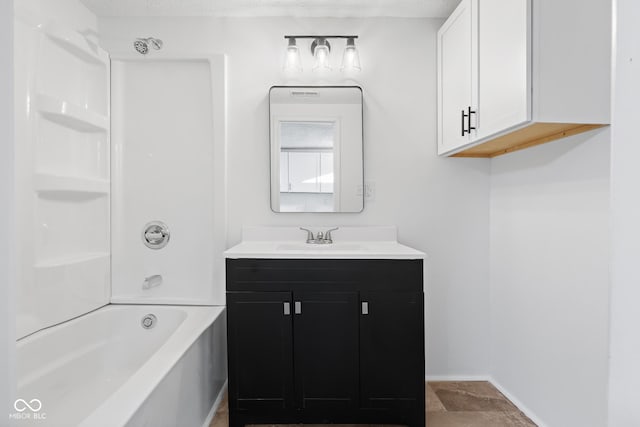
(325, 341)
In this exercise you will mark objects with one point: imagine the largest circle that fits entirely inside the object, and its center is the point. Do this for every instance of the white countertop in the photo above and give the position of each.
(349, 243)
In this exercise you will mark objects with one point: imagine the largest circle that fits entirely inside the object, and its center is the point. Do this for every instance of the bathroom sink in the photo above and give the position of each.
(378, 242)
(320, 247)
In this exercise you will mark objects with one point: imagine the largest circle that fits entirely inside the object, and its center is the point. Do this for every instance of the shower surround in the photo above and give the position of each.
(100, 156)
(167, 166)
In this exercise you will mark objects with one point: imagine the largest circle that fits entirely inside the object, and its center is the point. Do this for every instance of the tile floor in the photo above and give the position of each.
(449, 404)
(471, 404)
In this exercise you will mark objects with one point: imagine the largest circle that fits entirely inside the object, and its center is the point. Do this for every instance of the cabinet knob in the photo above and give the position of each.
(287, 308)
(365, 307)
(297, 306)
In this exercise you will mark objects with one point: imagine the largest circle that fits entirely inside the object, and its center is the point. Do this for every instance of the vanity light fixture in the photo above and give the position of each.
(321, 49)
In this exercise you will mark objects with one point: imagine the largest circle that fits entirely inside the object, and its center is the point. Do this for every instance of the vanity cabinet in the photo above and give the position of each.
(325, 341)
(501, 90)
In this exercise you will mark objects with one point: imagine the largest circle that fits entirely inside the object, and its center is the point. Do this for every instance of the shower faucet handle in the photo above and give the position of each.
(156, 235)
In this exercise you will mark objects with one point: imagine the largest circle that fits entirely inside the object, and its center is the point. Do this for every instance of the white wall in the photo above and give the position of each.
(549, 278)
(440, 205)
(624, 365)
(7, 273)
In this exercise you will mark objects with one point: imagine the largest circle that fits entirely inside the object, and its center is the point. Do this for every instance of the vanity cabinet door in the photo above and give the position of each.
(326, 350)
(260, 350)
(392, 350)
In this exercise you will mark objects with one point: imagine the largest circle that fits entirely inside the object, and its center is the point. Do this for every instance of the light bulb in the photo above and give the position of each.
(321, 53)
(292, 60)
(351, 58)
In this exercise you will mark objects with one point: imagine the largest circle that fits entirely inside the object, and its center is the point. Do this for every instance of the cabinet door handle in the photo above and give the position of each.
(467, 116)
(463, 115)
(287, 308)
(469, 127)
(365, 307)
(297, 306)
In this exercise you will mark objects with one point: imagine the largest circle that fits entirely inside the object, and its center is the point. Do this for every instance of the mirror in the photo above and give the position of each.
(316, 149)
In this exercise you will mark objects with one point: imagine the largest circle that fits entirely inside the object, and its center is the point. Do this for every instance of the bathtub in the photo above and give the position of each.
(106, 369)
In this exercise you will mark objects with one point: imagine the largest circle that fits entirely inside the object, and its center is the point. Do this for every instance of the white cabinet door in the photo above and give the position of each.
(504, 97)
(303, 172)
(326, 178)
(457, 75)
(284, 172)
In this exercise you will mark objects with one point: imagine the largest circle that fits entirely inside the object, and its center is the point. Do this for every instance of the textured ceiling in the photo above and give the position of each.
(249, 8)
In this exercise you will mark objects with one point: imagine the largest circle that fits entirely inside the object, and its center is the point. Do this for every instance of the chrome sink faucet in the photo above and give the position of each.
(321, 238)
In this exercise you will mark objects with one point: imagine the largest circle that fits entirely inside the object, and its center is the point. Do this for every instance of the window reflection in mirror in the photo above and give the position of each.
(316, 149)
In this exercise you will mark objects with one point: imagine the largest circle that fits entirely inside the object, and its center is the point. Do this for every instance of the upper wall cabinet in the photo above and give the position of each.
(518, 73)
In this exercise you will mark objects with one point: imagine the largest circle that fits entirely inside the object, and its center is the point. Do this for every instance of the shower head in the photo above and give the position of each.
(142, 44)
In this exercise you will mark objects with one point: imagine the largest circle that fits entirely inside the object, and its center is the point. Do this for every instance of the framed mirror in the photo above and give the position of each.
(316, 148)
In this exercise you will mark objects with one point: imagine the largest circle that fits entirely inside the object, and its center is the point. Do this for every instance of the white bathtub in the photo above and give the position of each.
(105, 369)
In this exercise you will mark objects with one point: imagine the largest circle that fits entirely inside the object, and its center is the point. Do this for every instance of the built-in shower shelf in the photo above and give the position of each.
(76, 45)
(70, 115)
(73, 259)
(45, 183)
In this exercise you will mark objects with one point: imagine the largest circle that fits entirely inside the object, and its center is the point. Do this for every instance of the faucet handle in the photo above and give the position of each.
(309, 235)
(327, 235)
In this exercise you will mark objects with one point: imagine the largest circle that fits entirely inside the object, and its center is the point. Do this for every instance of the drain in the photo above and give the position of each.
(149, 321)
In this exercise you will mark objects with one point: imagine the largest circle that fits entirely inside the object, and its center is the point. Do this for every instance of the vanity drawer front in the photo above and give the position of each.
(333, 274)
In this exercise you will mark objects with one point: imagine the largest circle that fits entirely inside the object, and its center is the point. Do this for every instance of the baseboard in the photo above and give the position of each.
(216, 405)
(525, 410)
(458, 378)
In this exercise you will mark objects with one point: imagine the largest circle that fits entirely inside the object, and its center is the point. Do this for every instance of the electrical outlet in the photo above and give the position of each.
(369, 191)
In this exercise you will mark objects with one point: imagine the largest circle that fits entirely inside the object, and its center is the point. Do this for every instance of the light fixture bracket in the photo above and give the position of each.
(320, 37)
(320, 41)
